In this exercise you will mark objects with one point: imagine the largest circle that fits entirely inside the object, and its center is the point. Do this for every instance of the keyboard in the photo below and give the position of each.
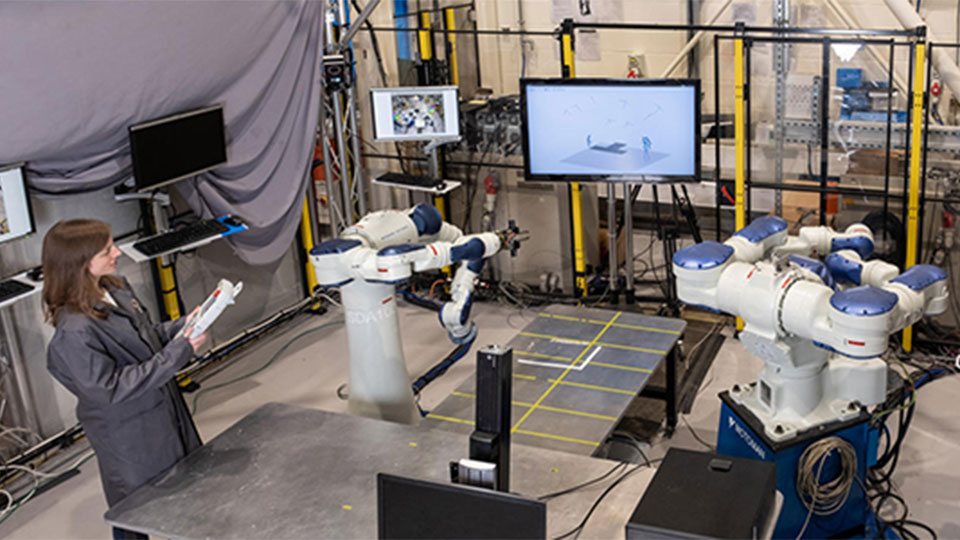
(12, 288)
(409, 180)
(170, 241)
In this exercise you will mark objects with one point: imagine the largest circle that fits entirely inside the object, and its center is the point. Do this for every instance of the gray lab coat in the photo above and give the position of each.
(121, 368)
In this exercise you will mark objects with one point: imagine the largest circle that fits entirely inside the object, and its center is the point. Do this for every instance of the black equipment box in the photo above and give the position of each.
(699, 494)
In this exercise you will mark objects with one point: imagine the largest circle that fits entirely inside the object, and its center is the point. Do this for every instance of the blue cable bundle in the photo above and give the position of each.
(441, 367)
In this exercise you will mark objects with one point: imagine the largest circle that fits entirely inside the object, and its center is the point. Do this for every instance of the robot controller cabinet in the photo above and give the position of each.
(740, 434)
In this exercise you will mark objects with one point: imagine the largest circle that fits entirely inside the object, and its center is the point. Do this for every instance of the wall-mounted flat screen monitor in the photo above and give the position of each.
(628, 130)
(16, 214)
(172, 148)
(415, 113)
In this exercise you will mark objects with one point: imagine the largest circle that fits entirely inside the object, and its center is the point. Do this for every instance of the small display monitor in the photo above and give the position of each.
(416, 113)
(172, 148)
(629, 130)
(16, 214)
(410, 508)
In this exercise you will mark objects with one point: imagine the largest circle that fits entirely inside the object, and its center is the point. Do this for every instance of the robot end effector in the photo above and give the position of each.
(387, 247)
(455, 314)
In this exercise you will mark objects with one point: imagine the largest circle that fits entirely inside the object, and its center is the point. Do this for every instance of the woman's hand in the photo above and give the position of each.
(192, 314)
(197, 342)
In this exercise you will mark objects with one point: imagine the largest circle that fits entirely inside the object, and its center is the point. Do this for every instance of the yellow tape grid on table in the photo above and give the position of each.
(616, 325)
(590, 343)
(573, 362)
(555, 383)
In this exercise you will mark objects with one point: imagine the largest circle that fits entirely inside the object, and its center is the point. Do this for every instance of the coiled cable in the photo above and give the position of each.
(824, 499)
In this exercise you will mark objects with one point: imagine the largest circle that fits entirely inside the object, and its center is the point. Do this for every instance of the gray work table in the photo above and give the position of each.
(289, 472)
(575, 371)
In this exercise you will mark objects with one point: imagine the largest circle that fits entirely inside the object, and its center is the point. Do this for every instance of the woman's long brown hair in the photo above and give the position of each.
(68, 284)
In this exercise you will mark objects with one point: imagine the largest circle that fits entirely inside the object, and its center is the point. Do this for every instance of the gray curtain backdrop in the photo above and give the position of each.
(74, 75)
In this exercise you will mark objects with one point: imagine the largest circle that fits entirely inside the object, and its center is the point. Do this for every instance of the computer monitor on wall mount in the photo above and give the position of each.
(168, 149)
(16, 213)
(415, 113)
(611, 130)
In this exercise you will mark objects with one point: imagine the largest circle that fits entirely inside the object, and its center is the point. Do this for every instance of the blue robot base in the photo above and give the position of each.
(741, 434)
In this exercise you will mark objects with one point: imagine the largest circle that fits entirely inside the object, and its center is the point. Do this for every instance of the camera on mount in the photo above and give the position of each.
(336, 75)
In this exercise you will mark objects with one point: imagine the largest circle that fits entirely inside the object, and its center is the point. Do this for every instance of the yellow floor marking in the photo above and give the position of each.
(617, 325)
(564, 374)
(594, 387)
(449, 419)
(538, 355)
(627, 368)
(555, 437)
(547, 408)
(527, 377)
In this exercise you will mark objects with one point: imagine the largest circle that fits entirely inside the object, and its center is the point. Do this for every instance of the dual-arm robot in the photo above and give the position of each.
(819, 326)
(367, 262)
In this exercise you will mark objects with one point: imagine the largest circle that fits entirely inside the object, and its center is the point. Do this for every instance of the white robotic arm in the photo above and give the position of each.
(801, 314)
(389, 246)
(367, 261)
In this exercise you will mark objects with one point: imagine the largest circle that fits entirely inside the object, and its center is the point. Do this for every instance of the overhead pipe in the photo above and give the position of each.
(909, 18)
(693, 41)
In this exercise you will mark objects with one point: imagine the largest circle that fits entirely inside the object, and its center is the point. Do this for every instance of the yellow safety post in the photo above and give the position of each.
(913, 191)
(168, 287)
(426, 44)
(576, 202)
(306, 238)
(739, 135)
(452, 51)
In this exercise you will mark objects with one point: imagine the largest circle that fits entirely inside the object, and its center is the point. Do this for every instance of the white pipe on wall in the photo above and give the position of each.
(909, 18)
(693, 42)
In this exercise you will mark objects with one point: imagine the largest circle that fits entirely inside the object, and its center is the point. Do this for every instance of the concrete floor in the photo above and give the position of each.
(309, 371)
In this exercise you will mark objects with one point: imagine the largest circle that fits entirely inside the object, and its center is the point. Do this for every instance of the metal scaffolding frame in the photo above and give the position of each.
(818, 130)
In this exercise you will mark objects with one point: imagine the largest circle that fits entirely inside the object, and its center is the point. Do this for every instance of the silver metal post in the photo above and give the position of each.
(342, 152)
(612, 234)
(781, 65)
(358, 176)
(24, 408)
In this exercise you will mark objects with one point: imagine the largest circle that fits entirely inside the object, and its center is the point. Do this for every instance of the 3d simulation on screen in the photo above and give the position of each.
(621, 135)
(417, 114)
(611, 130)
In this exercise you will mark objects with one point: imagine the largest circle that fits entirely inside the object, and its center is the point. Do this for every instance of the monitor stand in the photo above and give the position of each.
(431, 149)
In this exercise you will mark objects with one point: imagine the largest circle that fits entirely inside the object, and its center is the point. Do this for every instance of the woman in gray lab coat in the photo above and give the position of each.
(118, 364)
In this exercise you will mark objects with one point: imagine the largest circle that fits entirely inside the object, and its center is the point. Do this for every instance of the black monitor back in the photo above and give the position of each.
(410, 508)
